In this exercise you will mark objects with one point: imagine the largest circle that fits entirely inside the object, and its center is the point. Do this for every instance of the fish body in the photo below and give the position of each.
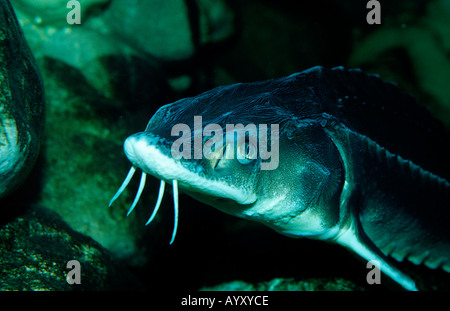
(357, 162)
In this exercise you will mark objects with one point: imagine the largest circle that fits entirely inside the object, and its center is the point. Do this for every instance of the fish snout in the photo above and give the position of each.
(129, 148)
(135, 149)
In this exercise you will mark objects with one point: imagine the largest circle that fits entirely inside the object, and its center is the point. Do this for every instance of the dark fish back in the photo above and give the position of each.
(386, 115)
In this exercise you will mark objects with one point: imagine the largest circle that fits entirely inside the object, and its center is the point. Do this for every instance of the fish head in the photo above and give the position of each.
(237, 149)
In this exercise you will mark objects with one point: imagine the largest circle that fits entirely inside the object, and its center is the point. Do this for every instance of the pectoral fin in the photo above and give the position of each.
(356, 240)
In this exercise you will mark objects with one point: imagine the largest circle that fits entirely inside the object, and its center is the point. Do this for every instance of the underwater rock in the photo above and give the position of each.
(22, 103)
(164, 29)
(36, 247)
(82, 159)
(169, 30)
(216, 20)
(52, 12)
(155, 31)
(281, 284)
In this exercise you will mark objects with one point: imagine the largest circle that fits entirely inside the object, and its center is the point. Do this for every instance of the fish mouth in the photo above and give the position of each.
(152, 155)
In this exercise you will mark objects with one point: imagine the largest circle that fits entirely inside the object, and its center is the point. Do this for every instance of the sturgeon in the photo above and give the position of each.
(360, 164)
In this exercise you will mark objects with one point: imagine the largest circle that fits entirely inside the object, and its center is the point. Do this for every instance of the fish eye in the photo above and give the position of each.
(247, 152)
(210, 145)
